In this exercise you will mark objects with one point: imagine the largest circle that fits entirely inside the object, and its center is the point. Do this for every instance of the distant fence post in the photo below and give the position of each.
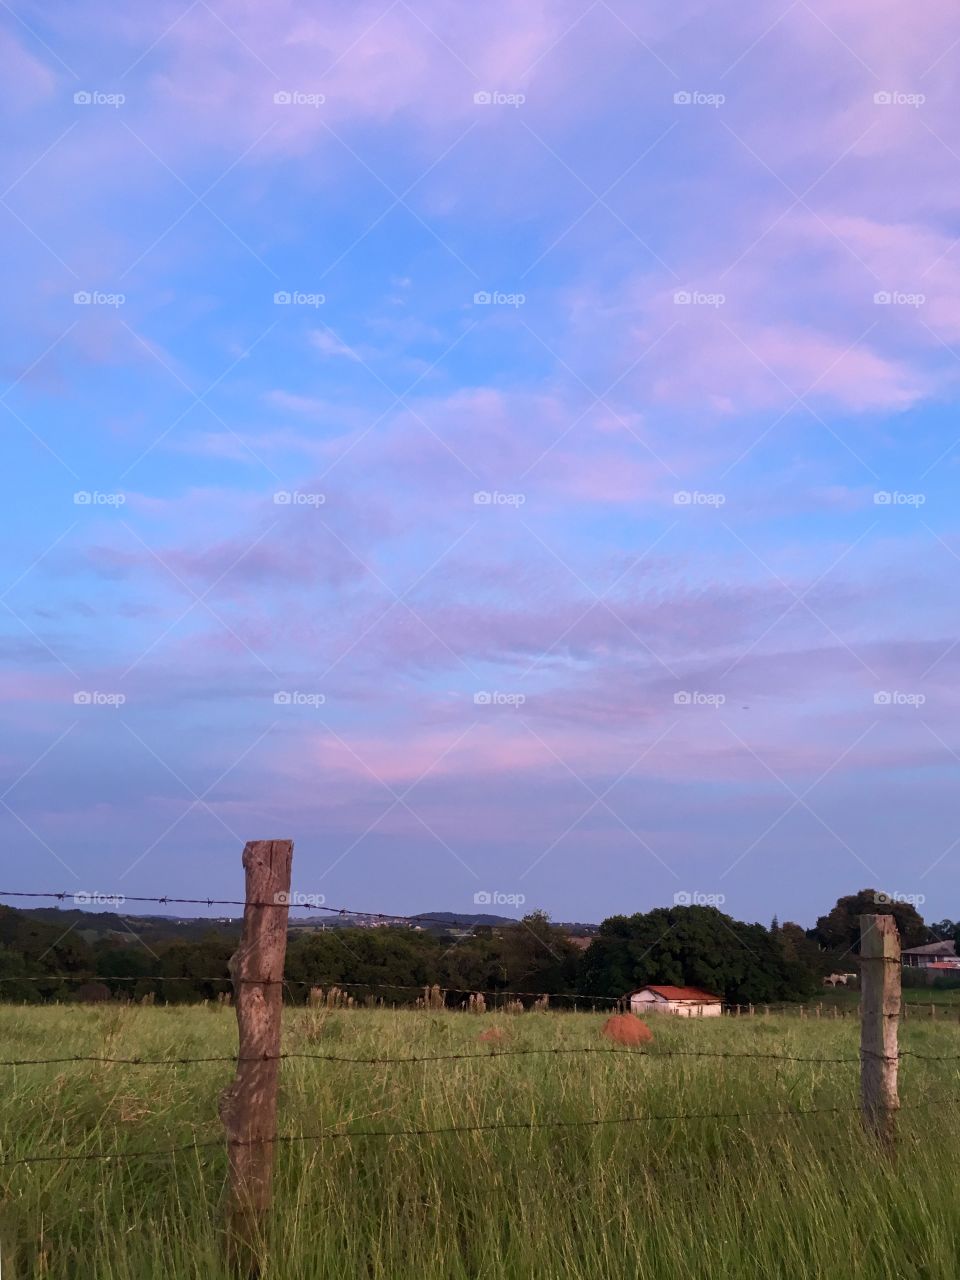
(248, 1107)
(879, 1023)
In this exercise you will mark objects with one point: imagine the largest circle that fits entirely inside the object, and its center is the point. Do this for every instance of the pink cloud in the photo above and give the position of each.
(369, 62)
(26, 82)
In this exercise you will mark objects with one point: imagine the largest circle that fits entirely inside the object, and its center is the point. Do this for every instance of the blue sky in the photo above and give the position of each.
(583, 528)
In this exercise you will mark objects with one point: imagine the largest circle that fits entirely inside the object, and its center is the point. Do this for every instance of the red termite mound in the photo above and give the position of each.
(625, 1028)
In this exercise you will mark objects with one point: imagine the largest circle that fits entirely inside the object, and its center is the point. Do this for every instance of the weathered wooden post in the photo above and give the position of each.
(879, 1023)
(248, 1107)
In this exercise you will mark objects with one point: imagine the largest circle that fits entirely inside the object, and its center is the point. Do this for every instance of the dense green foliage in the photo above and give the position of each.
(682, 945)
(839, 930)
(699, 946)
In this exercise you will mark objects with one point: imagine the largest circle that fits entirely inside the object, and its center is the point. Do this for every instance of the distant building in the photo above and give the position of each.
(941, 954)
(688, 1002)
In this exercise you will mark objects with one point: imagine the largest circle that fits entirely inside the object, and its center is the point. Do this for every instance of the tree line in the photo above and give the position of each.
(680, 945)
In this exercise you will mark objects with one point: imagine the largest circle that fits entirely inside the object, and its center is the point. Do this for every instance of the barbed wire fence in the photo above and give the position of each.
(249, 1106)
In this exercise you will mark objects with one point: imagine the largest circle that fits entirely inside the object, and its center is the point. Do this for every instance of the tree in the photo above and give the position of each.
(537, 955)
(944, 930)
(374, 959)
(692, 946)
(839, 930)
(808, 963)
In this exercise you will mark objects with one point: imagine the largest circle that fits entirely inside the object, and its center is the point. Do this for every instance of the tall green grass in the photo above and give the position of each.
(756, 1196)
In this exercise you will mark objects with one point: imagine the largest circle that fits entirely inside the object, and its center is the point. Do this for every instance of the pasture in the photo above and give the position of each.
(742, 1191)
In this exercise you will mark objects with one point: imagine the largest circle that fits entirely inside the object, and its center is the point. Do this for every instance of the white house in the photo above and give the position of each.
(689, 1002)
(933, 954)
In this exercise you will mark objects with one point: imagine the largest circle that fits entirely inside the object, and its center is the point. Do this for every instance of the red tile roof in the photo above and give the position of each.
(681, 993)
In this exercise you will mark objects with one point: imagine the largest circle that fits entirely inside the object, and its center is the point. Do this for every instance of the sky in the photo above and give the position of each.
(510, 449)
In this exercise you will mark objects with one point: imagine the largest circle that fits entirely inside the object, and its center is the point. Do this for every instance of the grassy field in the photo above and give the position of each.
(743, 1196)
(918, 998)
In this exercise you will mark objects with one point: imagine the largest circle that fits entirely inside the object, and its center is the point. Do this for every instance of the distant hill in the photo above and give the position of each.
(462, 919)
(93, 925)
(96, 925)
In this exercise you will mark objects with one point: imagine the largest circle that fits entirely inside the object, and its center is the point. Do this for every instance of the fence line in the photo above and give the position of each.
(305, 982)
(248, 1106)
(759, 1010)
(493, 1126)
(484, 1056)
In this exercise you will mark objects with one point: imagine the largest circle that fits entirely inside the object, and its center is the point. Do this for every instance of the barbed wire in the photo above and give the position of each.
(118, 899)
(760, 1008)
(444, 1130)
(327, 983)
(485, 1055)
(416, 1058)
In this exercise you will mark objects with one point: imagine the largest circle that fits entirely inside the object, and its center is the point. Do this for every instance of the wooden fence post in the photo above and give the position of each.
(879, 1023)
(248, 1107)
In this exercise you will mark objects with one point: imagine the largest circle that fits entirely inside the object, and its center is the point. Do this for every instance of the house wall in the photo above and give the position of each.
(649, 1003)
